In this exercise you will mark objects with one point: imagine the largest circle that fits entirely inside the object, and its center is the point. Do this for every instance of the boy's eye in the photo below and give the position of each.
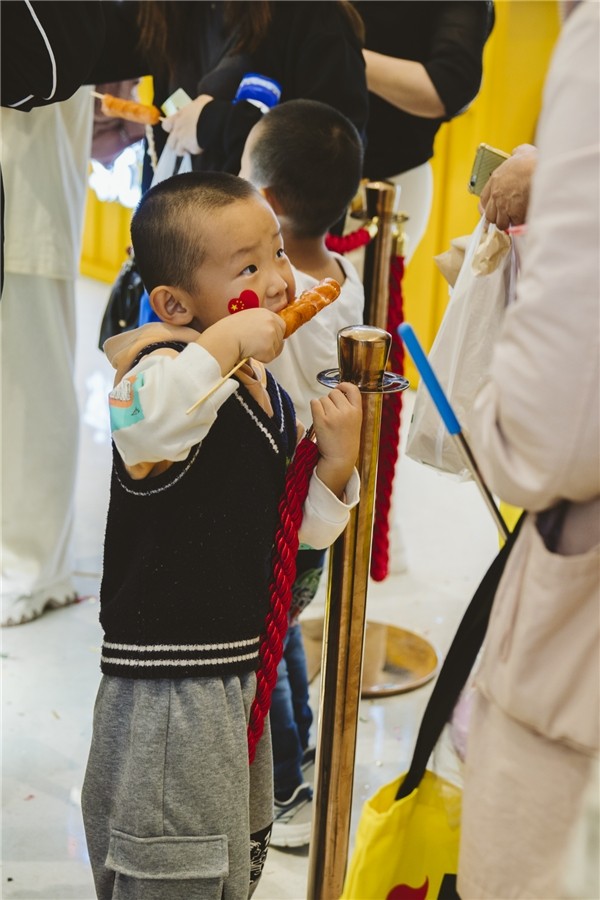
(280, 253)
(249, 270)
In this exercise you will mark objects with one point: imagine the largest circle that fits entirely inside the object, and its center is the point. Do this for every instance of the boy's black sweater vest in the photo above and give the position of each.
(187, 557)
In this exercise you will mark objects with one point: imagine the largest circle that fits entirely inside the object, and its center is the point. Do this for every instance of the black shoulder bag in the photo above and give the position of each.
(123, 307)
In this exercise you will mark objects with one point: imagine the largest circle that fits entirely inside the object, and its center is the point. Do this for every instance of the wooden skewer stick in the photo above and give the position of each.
(216, 386)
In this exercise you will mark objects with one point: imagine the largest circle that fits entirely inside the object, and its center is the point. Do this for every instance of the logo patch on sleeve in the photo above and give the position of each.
(124, 403)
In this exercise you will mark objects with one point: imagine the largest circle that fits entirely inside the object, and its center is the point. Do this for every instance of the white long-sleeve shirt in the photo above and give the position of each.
(150, 423)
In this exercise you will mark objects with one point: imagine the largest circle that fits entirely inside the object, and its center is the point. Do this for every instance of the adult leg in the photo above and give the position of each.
(523, 795)
(416, 197)
(39, 444)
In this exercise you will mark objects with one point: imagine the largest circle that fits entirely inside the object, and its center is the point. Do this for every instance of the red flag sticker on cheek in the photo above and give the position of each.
(246, 300)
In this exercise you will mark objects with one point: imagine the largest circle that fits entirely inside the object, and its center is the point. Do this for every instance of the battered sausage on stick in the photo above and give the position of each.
(308, 304)
(129, 109)
(296, 314)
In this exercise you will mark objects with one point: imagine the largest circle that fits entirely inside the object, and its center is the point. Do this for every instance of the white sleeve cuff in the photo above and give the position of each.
(324, 515)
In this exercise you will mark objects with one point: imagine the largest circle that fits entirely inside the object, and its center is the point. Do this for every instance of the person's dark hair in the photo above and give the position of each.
(355, 20)
(165, 227)
(167, 33)
(310, 157)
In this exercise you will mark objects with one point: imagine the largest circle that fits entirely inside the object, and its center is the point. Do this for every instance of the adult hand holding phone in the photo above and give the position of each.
(505, 197)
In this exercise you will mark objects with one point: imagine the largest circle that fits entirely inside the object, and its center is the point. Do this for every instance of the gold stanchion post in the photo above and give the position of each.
(363, 353)
(381, 199)
(396, 660)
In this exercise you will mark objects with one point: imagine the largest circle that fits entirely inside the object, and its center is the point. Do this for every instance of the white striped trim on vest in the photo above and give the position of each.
(175, 656)
(257, 421)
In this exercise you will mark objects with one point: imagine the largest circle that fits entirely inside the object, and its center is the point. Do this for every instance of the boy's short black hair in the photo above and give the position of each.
(310, 156)
(166, 229)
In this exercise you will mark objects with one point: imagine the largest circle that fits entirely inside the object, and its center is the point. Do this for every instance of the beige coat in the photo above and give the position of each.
(535, 433)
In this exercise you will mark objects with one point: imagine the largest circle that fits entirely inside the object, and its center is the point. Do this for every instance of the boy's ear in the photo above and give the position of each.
(170, 305)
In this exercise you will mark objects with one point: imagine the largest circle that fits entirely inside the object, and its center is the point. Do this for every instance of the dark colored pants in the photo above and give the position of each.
(291, 715)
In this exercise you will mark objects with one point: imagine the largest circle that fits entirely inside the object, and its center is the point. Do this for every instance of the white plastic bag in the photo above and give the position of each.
(167, 165)
(462, 349)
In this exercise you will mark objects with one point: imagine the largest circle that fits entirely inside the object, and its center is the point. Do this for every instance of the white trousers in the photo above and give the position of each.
(416, 197)
(39, 437)
(524, 796)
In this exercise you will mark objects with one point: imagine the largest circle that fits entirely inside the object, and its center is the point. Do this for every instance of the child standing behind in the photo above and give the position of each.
(172, 807)
(306, 158)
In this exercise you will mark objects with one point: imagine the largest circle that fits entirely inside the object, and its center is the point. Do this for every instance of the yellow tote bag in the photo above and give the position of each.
(408, 835)
(407, 849)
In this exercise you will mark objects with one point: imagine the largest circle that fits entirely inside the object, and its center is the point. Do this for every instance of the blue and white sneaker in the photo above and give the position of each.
(293, 819)
(308, 765)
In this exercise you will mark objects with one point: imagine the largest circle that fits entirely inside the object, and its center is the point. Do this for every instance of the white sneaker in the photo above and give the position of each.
(20, 610)
(293, 819)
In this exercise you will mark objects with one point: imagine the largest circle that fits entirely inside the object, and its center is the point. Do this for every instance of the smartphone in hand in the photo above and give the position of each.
(486, 160)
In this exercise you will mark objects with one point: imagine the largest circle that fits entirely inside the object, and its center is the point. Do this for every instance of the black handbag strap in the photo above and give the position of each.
(459, 662)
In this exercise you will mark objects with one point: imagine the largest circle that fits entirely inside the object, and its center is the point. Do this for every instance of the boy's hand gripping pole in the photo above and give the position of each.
(449, 419)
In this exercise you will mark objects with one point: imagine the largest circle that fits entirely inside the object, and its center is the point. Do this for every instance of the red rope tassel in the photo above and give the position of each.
(389, 438)
(345, 243)
(285, 550)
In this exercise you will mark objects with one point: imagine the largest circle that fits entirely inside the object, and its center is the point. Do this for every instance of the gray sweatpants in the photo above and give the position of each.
(169, 800)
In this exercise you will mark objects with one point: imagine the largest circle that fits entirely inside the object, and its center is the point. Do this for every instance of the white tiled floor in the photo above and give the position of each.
(51, 666)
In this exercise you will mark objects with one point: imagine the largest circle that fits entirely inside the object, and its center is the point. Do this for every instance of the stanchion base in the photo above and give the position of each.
(395, 660)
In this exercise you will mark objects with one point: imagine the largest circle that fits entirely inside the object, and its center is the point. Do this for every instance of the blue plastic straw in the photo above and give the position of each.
(438, 396)
(452, 424)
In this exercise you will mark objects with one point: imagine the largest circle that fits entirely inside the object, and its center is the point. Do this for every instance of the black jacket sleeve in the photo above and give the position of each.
(222, 131)
(313, 53)
(48, 49)
(454, 61)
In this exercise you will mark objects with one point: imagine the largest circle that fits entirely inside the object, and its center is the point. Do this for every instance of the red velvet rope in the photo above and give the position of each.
(285, 550)
(345, 243)
(389, 438)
